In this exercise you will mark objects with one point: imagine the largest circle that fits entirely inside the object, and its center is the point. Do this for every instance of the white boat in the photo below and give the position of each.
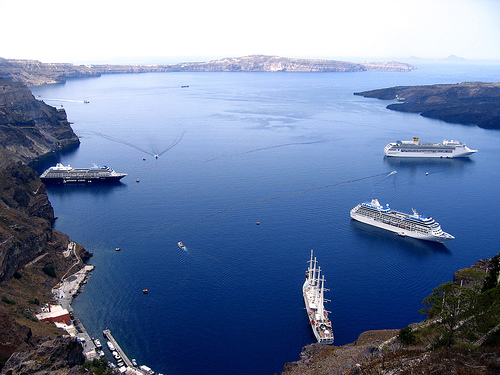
(111, 346)
(417, 149)
(313, 292)
(97, 343)
(411, 225)
(181, 246)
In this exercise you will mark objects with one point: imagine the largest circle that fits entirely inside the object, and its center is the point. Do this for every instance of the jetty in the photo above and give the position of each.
(109, 336)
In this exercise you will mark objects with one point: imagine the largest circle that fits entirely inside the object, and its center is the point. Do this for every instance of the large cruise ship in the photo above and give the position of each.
(414, 225)
(417, 149)
(313, 292)
(67, 174)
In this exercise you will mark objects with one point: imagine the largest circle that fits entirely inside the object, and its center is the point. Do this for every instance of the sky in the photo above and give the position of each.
(137, 31)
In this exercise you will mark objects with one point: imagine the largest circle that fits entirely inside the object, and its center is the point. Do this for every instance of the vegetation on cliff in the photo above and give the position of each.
(464, 103)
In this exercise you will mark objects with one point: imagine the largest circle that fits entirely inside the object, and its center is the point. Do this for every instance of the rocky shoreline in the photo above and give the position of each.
(469, 103)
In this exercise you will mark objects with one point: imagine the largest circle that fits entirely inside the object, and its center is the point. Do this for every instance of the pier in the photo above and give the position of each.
(109, 336)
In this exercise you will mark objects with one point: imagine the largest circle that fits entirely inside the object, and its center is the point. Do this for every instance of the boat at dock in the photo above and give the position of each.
(416, 149)
(97, 343)
(313, 291)
(411, 225)
(111, 347)
(61, 174)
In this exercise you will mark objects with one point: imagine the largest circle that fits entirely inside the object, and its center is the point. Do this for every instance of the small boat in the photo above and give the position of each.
(111, 346)
(184, 86)
(97, 343)
(181, 246)
(157, 156)
(134, 362)
(118, 249)
(145, 291)
(100, 353)
(116, 355)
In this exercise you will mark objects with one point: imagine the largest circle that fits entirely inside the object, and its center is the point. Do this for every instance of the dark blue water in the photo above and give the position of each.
(292, 151)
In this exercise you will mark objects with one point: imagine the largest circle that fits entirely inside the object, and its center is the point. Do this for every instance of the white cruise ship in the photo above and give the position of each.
(414, 225)
(417, 149)
(313, 292)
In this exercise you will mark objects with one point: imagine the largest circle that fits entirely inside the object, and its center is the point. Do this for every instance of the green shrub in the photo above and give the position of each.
(49, 270)
(407, 337)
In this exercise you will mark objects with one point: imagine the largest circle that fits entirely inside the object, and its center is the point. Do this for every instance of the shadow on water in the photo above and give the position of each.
(90, 189)
(52, 159)
(413, 163)
(387, 239)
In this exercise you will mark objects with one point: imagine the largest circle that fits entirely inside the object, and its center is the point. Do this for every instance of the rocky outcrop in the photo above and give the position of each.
(14, 336)
(261, 63)
(29, 128)
(26, 218)
(60, 356)
(464, 103)
(318, 359)
(35, 73)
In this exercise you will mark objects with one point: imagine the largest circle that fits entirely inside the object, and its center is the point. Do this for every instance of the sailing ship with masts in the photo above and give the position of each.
(313, 291)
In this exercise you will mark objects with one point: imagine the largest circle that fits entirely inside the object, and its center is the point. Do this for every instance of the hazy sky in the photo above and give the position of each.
(109, 30)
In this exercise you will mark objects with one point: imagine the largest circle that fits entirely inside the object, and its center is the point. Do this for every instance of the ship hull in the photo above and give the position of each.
(310, 315)
(414, 149)
(400, 231)
(80, 180)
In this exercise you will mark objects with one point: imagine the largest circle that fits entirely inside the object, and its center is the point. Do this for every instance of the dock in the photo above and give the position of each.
(109, 336)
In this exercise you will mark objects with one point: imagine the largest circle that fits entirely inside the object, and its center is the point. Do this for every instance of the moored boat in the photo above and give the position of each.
(411, 225)
(416, 149)
(313, 293)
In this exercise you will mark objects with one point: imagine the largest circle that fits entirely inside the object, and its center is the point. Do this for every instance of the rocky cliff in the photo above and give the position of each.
(31, 252)
(34, 72)
(62, 356)
(465, 103)
(29, 128)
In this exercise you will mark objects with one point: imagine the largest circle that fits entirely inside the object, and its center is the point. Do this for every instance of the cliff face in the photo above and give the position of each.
(34, 73)
(29, 128)
(61, 356)
(465, 103)
(26, 218)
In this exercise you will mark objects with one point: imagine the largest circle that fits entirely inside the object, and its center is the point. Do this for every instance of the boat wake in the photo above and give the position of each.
(236, 207)
(154, 152)
(264, 148)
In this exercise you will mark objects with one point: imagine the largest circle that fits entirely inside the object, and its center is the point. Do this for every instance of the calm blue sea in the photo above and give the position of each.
(293, 151)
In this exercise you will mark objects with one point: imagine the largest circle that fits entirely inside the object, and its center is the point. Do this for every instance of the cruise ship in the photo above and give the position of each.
(411, 225)
(313, 291)
(417, 149)
(67, 174)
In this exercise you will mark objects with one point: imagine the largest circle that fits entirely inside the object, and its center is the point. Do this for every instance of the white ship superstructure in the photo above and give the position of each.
(411, 225)
(67, 174)
(417, 149)
(313, 292)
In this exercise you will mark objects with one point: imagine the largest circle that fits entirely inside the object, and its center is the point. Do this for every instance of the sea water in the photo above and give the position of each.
(292, 151)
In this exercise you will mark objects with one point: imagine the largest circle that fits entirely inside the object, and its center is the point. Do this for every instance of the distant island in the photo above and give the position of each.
(33, 73)
(470, 103)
